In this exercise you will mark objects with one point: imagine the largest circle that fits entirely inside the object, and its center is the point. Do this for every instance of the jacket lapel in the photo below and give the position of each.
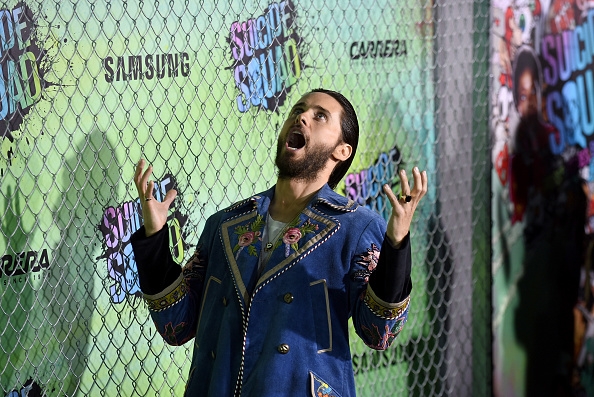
(241, 237)
(296, 241)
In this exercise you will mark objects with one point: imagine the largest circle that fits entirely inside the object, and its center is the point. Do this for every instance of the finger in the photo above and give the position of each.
(391, 196)
(145, 184)
(404, 183)
(169, 197)
(424, 183)
(139, 167)
(140, 178)
(404, 187)
(148, 193)
(138, 173)
(418, 188)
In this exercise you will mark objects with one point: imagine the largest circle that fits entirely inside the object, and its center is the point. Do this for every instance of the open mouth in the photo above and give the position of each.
(295, 140)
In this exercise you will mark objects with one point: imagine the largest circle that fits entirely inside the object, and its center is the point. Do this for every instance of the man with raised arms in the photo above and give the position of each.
(275, 278)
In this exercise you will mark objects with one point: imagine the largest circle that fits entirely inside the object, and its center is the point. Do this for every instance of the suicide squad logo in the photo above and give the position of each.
(567, 59)
(23, 66)
(266, 57)
(21, 60)
(117, 226)
(365, 186)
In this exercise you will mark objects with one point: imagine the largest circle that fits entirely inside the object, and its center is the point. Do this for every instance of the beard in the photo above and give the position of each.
(305, 169)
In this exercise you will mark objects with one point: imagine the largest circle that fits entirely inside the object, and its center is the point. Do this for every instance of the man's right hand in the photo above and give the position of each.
(154, 212)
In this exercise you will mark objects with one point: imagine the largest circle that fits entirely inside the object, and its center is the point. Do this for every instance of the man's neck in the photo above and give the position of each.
(291, 197)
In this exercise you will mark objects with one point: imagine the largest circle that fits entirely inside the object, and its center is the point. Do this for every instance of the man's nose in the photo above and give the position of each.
(301, 119)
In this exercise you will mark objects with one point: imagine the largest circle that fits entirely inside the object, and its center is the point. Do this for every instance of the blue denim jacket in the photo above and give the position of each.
(283, 330)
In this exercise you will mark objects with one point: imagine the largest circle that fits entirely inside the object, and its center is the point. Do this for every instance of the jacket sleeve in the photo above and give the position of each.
(171, 292)
(380, 287)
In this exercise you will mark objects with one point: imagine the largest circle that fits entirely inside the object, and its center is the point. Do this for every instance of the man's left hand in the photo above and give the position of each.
(403, 207)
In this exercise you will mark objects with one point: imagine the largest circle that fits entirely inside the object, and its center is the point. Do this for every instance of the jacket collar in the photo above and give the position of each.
(324, 198)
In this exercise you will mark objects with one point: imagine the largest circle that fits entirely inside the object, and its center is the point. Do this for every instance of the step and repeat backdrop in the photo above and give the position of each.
(200, 90)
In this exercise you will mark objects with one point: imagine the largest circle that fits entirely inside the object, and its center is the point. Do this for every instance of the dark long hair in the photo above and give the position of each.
(349, 126)
(527, 59)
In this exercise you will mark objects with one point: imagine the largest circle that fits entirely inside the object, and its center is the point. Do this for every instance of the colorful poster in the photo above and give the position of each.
(542, 153)
(89, 88)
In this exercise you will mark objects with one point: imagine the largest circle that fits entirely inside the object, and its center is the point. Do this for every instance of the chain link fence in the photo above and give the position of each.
(200, 90)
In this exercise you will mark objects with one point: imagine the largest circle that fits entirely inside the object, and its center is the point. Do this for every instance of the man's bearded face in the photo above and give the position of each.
(309, 137)
(305, 168)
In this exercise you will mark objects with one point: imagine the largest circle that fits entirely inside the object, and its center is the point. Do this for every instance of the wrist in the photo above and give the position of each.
(395, 242)
(150, 231)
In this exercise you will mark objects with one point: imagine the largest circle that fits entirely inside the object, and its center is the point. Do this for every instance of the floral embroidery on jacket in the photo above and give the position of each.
(381, 341)
(369, 260)
(170, 333)
(248, 235)
(294, 234)
(195, 265)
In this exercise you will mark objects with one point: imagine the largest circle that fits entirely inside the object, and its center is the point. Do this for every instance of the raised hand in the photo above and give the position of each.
(154, 212)
(403, 207)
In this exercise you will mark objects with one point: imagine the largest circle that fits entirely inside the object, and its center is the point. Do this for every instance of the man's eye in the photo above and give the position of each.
(321, 115)
(297, 111)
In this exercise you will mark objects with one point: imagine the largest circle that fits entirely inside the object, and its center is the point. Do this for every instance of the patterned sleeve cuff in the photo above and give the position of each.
(170, 296)
(385, 310)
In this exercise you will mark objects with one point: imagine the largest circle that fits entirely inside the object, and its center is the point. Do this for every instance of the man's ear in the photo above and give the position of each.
(342, 152)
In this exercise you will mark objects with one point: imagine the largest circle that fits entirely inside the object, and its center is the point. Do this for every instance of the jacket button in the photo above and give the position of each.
(224, 301)
(212, 354)
(288, 298)
(283, 348)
